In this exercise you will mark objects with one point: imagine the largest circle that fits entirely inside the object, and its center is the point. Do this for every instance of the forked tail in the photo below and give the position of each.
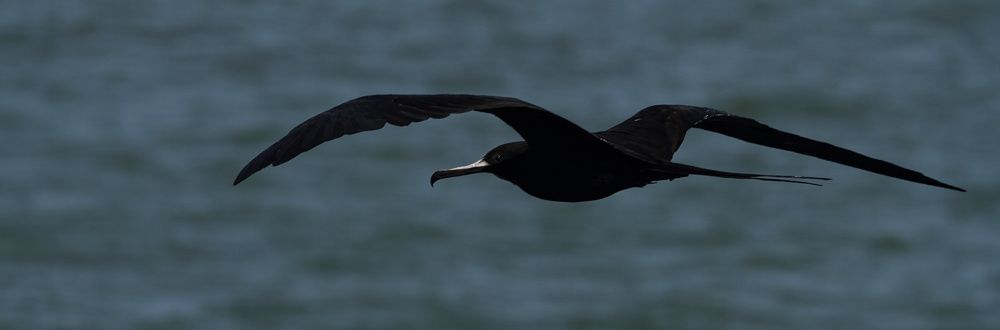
(674, 170)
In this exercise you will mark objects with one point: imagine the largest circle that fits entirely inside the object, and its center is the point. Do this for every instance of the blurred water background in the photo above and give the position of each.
(124, 122)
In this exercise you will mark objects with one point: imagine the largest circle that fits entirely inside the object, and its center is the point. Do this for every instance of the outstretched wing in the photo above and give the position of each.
(656, 132)
(537, 126)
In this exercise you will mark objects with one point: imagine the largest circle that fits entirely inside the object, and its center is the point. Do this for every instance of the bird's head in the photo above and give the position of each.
(496, 160)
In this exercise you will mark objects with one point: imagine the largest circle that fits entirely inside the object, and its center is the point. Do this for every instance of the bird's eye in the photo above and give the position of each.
(497, 157)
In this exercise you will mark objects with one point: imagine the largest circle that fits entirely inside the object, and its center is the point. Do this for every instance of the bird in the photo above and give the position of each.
(558, 160)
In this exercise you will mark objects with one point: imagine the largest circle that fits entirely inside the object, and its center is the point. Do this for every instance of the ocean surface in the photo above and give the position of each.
(124, 123)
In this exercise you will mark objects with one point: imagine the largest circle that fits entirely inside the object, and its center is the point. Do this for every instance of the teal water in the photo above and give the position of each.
(125, 122)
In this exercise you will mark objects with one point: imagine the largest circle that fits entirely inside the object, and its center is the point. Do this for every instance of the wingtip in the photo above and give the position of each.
(929, 181)
(245, 173)
(254, 166)
(948, 186)
(239, 178)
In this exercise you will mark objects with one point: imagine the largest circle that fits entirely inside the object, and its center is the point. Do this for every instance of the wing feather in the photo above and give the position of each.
(539, 127)
(656, 132)
(752, 131)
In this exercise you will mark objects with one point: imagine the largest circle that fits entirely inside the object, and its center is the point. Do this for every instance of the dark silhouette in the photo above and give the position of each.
(560, 161)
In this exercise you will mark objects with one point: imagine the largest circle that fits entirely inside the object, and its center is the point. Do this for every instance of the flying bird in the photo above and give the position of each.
(560, 161)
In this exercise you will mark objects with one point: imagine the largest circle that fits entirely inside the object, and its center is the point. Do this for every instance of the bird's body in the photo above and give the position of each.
(560, 161)
(571, 177)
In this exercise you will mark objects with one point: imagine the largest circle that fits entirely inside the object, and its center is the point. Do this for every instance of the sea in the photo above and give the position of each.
(123, 124)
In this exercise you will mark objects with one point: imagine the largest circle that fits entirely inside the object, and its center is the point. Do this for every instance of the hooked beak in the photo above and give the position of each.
(477, 167)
